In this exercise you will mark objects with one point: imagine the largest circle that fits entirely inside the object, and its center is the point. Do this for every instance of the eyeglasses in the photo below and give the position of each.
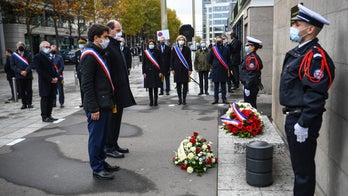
(118, 30)
(47, 46)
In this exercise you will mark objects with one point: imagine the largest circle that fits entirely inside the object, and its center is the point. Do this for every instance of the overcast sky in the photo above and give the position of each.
(183, 10)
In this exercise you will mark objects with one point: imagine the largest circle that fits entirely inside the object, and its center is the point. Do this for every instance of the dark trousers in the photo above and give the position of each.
(302, 155)
(252, 97)
(96, 143)
(235, 75)
(184, 87)
(203, 81)
(11, 86)
(26, 91)
(113, 131)
(60, 88)
(167, 83)
(46, 105)
(81, 92)
(153, 93)
(223, 91)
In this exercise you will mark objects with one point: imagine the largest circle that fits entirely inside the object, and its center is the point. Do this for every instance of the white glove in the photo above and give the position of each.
(247, 92)
(301, 133)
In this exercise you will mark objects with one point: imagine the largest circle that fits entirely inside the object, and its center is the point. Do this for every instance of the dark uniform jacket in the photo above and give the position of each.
(219, 72)
(250, 71)
(128, 56)
(59, 61)
(46, 72)
(95, 85)
(77, 63)
(9, 72)
(181, 73)
(305, 94)
(165, 59)
(235, 48)
(152, 79)
(118, 69)
(17, 65)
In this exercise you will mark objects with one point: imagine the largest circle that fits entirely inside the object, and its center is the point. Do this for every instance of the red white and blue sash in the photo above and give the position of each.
(152, 59)
(101, 62)
(238, 113)
(21, 58)
(181, 57)
(220, 57)
(228, 121)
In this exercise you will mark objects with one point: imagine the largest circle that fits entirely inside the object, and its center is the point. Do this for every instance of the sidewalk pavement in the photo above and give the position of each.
(37, 158)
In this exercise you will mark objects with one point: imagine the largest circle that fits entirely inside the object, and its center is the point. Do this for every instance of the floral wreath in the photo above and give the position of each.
(242, 120)
(195, 155)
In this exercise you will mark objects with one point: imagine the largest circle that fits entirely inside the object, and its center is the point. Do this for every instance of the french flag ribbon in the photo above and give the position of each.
(238, 113)
(101, 62)
(21, 58)
(181, 57)
(152, 59)
(228, 121)
(220, 57)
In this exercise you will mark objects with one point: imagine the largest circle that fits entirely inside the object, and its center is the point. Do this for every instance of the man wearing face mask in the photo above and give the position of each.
(82, 46)
(202, 66)
(307, 75)
(21, 64)
(165, 53)
(219, 60)
(59, 67)
(98, 103)
(123, 96)
(126, 53)
(47, 78)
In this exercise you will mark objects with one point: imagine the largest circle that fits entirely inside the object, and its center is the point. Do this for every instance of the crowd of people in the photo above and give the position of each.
(103, 64)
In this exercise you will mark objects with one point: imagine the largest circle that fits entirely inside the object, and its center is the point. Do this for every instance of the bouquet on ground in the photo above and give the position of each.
(242, 120)
(195, 155)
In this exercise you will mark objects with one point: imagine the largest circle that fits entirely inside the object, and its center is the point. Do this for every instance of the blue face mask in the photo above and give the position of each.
(47, 50)
(246, 49)
(294, 34)
(122, 44)
(151, 47)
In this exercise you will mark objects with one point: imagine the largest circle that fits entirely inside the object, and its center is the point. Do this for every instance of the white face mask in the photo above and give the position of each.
(181, 43)
(151, 46)
(105, 43)
(118, 35)
(81, 46)
(203, 45)
(47, 50)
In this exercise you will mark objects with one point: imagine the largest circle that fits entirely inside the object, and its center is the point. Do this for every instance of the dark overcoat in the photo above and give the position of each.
(152, 79)
(181, 72)
(165, 59)
(219, 73)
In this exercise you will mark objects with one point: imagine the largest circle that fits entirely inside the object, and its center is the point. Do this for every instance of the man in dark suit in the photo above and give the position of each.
(123, 96)
(235, 48)
(165, 63)
(82, 45)
(48, 79)
(126, 53)
(21, 61)
(59, 66)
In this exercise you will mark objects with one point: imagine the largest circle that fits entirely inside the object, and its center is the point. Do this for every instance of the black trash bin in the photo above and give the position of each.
(259, 155)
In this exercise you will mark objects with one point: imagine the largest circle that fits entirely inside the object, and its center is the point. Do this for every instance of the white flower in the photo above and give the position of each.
(200, 163)
(199, 154)
(208, 154)
(190, 155)
(204, 147)
(213, 160)
(205, 169)
(189, 170)
(196, 157)
(193, 149)
(185, 162)
(189, 145)
(200, 159)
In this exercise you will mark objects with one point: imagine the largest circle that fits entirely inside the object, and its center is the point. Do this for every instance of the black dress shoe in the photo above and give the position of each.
(161, 93)
(53, 119)
(167, 93)
(103, 175)
(30, 106)
(215, 102)
(200, 93)
(207, 93)
(184, 102)
(179, 102)
(110, 168)
(115, 154)
(47, 119)
(122, 150)
(24, 107)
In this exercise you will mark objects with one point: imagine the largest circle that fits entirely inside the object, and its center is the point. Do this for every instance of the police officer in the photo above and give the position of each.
(82, 46)
(250, 71)
(307, 74)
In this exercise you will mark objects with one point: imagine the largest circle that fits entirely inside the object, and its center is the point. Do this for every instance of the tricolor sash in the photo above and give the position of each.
(21, 58)
(228, 121)
(220, 57)
(238, 113)
(152, 59)
(101, 62)
(181, 57)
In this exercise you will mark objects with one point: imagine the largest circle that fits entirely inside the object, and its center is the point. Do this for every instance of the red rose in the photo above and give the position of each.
(183, 167)
(208, 161)
(195, 134)
(235, 130)
(198, 150)
(193, 140)
(208, 147)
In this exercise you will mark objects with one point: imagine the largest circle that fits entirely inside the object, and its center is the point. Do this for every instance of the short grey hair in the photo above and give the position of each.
(43, 43)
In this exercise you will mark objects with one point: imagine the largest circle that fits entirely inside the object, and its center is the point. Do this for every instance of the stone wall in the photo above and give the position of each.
(332, 151)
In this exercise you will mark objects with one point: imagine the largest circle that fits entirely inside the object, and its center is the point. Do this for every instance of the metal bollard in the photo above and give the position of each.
(259, 155)
(14, 83)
